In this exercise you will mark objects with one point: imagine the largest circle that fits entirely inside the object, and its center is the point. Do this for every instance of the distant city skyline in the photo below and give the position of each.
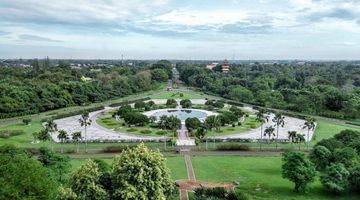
(184, 29)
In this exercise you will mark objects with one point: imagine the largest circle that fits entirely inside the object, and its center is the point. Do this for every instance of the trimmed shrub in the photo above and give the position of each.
(132, 130)
(160, 132)
(114, 149)
(233, 147)
(146, 131)
(10, 133)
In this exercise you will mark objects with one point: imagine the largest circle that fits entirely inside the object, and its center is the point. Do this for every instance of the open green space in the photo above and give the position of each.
(179, 94)
(326, 129)
(259, 177)
(106, 120)
(248, 124)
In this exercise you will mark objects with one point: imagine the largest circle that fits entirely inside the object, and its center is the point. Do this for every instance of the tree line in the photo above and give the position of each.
(327, 89)
(44, 87)
(335, 160)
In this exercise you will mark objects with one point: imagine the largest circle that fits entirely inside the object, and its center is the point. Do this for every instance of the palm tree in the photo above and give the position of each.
(292, 136)
(76, 137)
(262, 118)
(269, 131)
(62, 136)
(35, 137)
(300, 139)
(279, 120)
(217, 123)
(43, 135)
(85, 121)
(51, 127)
(309, 125)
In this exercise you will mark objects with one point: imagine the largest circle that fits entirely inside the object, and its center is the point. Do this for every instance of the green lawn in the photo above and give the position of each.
(248, 124)
(179, 94)
(326, 129)
(107, 121)
(259, 177)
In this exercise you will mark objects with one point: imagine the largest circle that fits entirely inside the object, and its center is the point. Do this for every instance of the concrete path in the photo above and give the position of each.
(95, 132)
(189, 167)
(291, 124)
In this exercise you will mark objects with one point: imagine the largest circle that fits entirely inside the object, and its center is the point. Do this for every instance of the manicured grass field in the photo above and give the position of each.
(259, 177)
(176, 94)
(109, 122)
(249, 123)
(326, 129)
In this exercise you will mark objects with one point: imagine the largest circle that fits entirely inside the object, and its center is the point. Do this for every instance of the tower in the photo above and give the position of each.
(225, 67)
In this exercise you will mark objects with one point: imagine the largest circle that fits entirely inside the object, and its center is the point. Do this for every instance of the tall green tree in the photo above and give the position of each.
(62, 136)
(336, 178)
(23, 177)
(300, 139)
(51, 127)
(292, 136)
(298, 169)
(279, 120)
(84, 182)
(309, 124)
(269, 131)
(76, 137)
(43, 135)
(321, 157)
(85, 121)
(192, 123)
(213, 121)
(140, 173)
(262, 117)
(57, 164)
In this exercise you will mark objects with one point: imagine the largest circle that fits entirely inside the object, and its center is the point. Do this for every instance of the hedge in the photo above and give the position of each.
(232, 147)
(10, 133)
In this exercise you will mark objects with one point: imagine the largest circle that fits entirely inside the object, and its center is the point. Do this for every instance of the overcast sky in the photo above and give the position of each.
(180, 29)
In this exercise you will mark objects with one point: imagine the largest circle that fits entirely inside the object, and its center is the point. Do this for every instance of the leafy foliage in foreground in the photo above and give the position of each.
(23, 177)
(140, 173)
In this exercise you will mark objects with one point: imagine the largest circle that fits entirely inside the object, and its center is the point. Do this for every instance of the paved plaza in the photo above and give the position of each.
(98, 133)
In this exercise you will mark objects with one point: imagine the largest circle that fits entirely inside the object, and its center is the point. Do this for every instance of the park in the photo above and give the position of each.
(241, 152)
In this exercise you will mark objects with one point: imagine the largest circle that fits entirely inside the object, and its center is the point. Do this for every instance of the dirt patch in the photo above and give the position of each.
(190, 185)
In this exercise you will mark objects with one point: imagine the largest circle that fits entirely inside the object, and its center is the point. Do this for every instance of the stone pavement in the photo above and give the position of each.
(95, 132)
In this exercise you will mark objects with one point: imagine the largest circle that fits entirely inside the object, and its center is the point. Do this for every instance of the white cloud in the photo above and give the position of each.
(200, 17)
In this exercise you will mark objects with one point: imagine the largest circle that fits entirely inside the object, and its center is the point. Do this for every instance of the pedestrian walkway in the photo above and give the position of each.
(183, 138)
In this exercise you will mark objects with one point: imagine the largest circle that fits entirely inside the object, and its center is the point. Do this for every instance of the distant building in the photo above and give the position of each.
(225, 67)
(211, 66)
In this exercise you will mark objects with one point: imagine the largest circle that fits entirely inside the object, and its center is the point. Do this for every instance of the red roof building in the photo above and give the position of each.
(225, 67)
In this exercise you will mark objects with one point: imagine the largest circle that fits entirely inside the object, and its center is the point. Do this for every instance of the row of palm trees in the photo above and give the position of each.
(51, 127)
(263, 116)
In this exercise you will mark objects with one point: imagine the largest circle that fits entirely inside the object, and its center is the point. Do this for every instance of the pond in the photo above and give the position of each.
(182, 114)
